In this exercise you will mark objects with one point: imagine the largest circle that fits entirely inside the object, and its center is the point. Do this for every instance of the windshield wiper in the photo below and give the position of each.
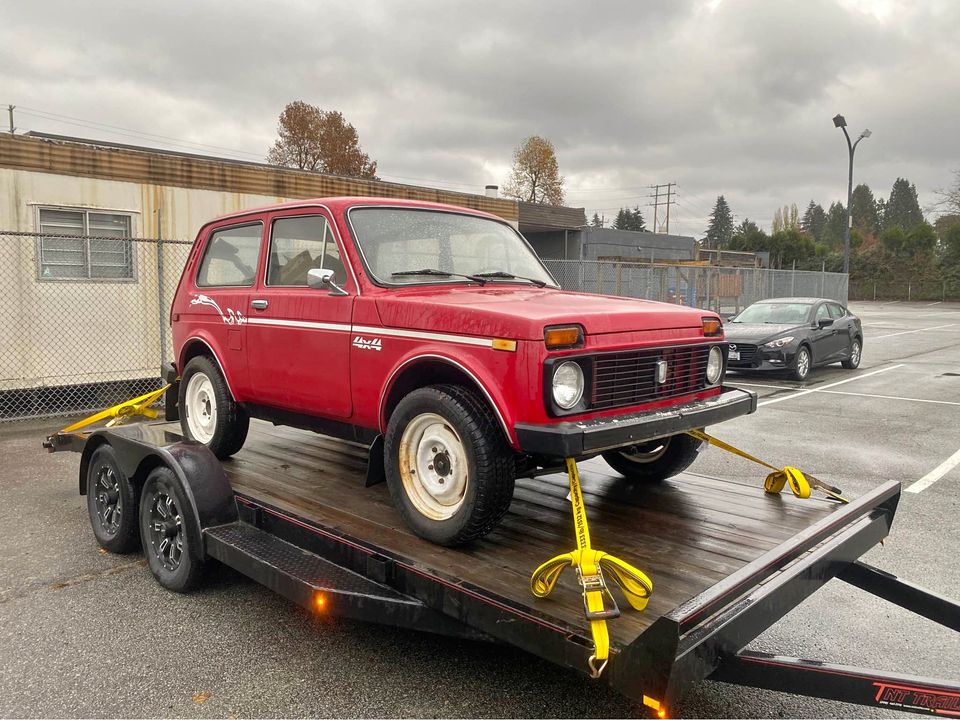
(439, 273)
(510, 276)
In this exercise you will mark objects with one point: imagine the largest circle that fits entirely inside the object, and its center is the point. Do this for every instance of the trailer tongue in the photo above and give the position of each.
(291, 511)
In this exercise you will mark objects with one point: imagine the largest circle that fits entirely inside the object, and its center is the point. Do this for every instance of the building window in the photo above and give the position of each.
(79, 245)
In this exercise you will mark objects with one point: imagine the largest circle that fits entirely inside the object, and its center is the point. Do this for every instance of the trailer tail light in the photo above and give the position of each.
(655, 705)
(712, 327)
(319, 602)
(563, 337)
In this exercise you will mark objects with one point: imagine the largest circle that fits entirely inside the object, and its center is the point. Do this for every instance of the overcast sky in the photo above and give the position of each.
(726, 96)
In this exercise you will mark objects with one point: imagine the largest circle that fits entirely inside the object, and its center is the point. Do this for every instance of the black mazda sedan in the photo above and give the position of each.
(795, 335)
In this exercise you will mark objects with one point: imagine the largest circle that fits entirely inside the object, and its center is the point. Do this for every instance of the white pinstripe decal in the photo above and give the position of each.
(366, 330)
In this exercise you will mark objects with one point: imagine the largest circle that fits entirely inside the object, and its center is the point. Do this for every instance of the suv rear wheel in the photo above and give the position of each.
(449, 468)
(656, 460)
(208, 412)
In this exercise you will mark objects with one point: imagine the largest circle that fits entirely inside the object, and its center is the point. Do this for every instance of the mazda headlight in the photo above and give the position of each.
(779, 342)
(567, 385)
(714, 365)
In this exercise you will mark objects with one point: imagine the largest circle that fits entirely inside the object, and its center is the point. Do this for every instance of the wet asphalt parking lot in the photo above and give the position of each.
(87, 634)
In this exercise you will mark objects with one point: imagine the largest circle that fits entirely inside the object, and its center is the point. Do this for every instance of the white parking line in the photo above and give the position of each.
(851, 394)
(907, 332)
(824, 387)
(934, 303)
(938, 472)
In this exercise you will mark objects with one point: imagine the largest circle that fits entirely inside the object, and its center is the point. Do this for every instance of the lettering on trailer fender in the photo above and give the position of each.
(931, 700)
(362, 343)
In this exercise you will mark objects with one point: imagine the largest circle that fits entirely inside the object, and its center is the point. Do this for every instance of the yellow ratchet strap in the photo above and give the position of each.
(598, 603)
(123, 411)
(800, 482)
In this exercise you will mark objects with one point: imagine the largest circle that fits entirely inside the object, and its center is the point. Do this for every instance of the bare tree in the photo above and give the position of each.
(950, 197)
(535, 176)
(320, 140)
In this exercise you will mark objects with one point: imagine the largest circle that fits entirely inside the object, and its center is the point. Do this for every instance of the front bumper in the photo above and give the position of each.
(767, 359)
(578, 438)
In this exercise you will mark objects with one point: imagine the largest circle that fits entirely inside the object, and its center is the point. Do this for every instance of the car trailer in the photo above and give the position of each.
(292, 511)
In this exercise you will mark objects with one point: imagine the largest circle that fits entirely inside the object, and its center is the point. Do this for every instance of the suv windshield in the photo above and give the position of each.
(398, 242)
(778, 313)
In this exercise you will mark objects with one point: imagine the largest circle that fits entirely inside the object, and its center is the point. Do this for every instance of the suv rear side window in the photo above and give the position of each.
(230, 258)
(301, 244)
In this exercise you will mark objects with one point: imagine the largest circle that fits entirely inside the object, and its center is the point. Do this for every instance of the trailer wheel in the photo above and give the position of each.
(655, 460)
(208, 412)
(111, 503)
(449, 469)
(165, 516)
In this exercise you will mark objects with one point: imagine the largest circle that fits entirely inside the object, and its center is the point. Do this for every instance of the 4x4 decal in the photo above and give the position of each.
(363, 344)
(231, 318)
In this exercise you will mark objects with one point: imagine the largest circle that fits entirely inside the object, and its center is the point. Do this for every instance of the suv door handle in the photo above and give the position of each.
(259, 304)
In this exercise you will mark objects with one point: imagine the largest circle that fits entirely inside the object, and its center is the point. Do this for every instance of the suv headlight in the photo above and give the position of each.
(714, 365)
(779, 342)
(567, 384)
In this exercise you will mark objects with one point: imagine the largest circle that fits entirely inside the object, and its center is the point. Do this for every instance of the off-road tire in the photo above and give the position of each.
(490, 461)
(680, 452)
(162, 481)
(232, 420)
(111, 503)
(853, 362)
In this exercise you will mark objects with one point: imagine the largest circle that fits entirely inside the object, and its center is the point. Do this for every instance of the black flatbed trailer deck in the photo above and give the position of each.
(726, 559)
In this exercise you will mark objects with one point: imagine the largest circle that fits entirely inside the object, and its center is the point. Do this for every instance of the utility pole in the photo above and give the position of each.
(668, 201)
(10, 109)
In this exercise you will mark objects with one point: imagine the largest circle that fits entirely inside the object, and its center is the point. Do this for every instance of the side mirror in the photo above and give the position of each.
(825, 322)
(322, 279)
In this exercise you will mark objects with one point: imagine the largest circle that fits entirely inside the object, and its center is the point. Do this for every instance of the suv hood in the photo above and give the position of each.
(521, 313)
(757, 333)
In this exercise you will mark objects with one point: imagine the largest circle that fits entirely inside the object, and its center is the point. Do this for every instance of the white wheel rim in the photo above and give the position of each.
(641, 456)
(433, 466)
(855, 353)
(803, 364)
(201, 408)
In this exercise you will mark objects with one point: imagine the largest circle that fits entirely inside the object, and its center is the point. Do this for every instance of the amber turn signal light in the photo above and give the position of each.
(566, 336)
(712, 327)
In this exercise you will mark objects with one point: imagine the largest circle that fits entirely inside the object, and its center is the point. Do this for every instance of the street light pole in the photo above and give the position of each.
(840, 122)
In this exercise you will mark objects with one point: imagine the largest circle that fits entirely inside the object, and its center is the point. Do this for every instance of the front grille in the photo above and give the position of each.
(629, 378)
(748, 353)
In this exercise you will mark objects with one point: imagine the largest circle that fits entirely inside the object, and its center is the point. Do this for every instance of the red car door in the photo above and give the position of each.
(298, 337)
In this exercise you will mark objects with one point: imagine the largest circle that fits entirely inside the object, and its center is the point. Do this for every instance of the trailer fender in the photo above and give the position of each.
(196, 467)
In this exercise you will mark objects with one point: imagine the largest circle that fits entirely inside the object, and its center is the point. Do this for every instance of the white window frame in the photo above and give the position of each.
(86, 211)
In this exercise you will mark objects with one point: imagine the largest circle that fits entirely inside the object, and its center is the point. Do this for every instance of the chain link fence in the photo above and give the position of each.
(907, 290)
(722, 289)
(85, 322)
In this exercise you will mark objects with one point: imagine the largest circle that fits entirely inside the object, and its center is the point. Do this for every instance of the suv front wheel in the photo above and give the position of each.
(449, 469)
(655, 460)
(208, 412)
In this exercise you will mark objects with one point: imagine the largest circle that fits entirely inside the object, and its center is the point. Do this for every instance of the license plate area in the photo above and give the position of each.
(734, 355)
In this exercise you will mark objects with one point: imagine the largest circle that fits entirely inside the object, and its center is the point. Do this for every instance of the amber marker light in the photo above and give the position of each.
(319, 602)
(564, 336)
(712, 327)
(504, 344)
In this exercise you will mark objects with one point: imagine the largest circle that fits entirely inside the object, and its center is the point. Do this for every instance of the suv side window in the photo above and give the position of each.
(298, 245)
(822, 313)
(230, 258)
(836, 311)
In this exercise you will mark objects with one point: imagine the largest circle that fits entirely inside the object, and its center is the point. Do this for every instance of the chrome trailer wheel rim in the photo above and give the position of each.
(201, 408)
(108, 499)
(433, 466)
(166, 530)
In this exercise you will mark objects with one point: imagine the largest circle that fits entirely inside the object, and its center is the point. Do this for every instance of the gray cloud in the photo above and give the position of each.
(732, 97)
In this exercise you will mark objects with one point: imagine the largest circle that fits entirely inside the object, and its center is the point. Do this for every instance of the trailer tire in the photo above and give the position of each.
(208, 412)
(656, 460)
(111, 503)
(166, 520)
(449, 468)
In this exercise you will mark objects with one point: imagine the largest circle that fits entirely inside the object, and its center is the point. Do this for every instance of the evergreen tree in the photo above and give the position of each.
(747, 237)
(814, 221)
(597, 221)
(720, 230)
(902, 208)
(620, 221)
(836, 222)
(639, 225)
(628, 219)
(864, 209)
